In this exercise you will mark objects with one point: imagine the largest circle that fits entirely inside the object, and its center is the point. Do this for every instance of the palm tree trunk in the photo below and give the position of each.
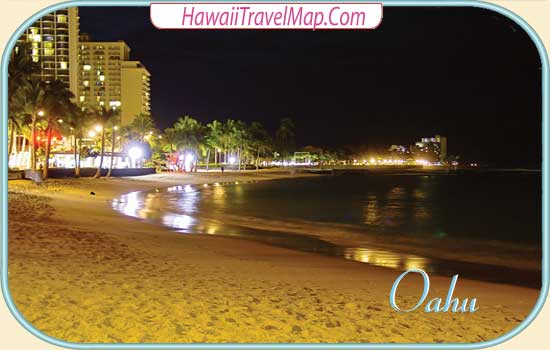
(33, 143)
(112, 154)
(11, 140)
(207, 158)
(98, 172)
(76, 172)
(47, 154)
(239, 157)
(257, 158)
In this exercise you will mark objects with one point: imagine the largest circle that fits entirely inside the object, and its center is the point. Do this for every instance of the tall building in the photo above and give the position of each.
(108, 78)
(99, 81)
(53, 43)
(135, 90)
(436, 146)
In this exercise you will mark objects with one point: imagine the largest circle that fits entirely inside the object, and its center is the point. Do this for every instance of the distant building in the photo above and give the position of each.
(109, 79)
(397, 149)
(53, 41)
(434, 147)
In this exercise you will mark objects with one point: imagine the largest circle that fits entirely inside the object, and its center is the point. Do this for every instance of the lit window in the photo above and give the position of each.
(87, 67)
(81, 98)
(86, 83)
(47, 44)
(35, 58)
(48, 52)
(36, 37)
(61, 18)
(101, 78)
(101, 103)
(63, 65)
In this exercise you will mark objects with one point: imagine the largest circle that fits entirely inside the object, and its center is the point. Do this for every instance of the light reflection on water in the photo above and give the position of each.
(383, 207)
(386, 258)
(154, 206)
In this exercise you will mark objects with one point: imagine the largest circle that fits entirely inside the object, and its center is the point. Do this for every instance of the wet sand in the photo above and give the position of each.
(81, 272)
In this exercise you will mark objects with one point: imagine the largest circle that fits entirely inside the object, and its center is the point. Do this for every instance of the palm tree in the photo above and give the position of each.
(169, 141)
(57, 100)
(259, 139)
(214, 138)
(30, 102)
(228, 138)
(189, 134)
(104, 117)
(285, 136)
(20, 70)
(141, 125)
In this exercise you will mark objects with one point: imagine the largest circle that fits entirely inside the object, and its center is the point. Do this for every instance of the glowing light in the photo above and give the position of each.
(232, 160)
(188, 162)
(135, 153)
(372, 161)
(91, 133)
(98, 128)
(115, 127)
(60, 121)
(40, 113)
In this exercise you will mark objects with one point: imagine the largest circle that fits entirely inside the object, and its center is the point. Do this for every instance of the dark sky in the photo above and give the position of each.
(469, 74)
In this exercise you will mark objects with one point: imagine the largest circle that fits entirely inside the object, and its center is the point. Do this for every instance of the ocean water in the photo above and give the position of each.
(388, 220)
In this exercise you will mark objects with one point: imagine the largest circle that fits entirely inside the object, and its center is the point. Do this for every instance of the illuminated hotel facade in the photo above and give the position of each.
(436, 145)
(109, 79)
(53, 41)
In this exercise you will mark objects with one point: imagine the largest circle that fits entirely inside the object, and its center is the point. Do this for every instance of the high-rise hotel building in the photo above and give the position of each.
(135, 90)
(108, 78)
(97, 73)
(53, 41)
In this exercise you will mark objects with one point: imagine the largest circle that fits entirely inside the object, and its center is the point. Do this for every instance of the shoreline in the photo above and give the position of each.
(208, 288)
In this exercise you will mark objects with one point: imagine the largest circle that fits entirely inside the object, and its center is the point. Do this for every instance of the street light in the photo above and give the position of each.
(115, 127)
(98, 128)
(41, 113)
(135, 153)
(91, 133)
(60, 121)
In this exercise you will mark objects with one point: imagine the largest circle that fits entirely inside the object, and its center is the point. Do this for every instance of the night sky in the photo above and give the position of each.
(469, 74)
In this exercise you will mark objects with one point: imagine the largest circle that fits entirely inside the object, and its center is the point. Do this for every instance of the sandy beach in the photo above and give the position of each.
(81, 272)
